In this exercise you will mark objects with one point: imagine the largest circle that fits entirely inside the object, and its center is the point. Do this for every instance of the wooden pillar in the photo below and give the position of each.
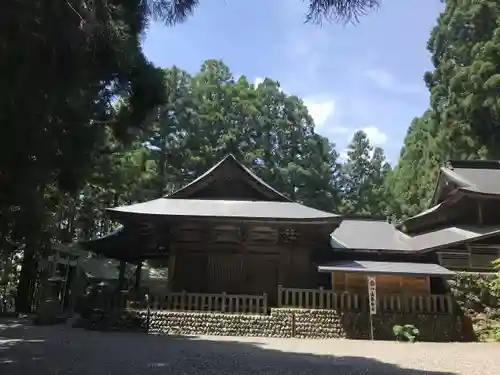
(120, 298)
(171, 273)
(138, 274)
(121, 274)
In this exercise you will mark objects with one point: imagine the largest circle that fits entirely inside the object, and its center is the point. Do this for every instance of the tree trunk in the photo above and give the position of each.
(32, 225)
(24, 297)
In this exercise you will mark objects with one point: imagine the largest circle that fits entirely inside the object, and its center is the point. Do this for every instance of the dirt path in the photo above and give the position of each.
(27, 350)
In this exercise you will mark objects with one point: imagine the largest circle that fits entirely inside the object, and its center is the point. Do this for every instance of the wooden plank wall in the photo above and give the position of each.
(356, 283)
(240, 260)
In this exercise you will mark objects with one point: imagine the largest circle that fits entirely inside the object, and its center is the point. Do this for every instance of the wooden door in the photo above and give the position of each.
(225, 273)
(261, 275)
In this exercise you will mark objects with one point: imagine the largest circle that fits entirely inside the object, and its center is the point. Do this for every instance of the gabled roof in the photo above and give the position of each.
(230, 166)
(381, 235)
(457, 179)
(470, 176)
(477, 176)
(207, 208)
(187, 202)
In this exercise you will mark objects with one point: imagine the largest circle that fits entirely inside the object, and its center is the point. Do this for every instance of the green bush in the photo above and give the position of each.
(408, 332)
(478, 295)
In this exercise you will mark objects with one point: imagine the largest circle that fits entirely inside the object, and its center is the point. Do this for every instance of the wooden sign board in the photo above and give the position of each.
(372, 294)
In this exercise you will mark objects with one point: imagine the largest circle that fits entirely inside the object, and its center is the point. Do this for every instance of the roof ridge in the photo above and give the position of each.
(364, 218)
(472, 164)
(230, 158)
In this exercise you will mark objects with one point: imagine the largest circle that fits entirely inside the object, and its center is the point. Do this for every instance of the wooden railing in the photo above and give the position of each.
(327, 299)
(227, 303)
(317, 299)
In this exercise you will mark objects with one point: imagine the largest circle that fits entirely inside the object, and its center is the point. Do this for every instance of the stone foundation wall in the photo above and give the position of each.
(320, 324)
(277, 324)
(432, 327)
(302, 323)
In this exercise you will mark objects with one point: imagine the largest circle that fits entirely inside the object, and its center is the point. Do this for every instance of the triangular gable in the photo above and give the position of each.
(231, 180)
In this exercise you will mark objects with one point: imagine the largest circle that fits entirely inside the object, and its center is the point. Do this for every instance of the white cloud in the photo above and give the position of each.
(258, 81)
(320, 110)
(386, 81)
(343, 156)
(375, 135)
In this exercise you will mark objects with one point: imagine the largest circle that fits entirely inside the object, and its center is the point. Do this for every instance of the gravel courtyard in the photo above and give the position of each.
(26, 349)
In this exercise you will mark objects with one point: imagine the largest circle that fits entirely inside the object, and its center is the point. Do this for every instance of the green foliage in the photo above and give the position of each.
(407, 332)
(318, 10)
(495, 284)
(464, 47)
(478, 296)
(363, 177)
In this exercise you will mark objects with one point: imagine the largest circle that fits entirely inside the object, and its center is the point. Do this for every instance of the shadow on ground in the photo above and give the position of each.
(26, 349)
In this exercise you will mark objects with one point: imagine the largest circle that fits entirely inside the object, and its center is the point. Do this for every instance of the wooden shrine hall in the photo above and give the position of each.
(227, 231)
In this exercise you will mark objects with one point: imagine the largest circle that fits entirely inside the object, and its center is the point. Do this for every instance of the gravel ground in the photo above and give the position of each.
(26, 349)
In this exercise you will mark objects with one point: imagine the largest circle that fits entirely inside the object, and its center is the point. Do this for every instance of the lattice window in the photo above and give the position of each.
(226, 233)
(454, 260)
(483, 256)
(288, 235)
(263, 234)
(188, 233)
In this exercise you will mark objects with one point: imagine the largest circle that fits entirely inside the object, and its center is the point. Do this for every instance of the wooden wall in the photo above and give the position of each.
(356, 283)
(239, 258)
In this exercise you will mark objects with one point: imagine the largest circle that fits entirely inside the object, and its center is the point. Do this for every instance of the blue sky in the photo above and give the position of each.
(366, 76)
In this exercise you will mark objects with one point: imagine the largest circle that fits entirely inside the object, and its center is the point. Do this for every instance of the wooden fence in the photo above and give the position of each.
(227, 303)
(327, 299)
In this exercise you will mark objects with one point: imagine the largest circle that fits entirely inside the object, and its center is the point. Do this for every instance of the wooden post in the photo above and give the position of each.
(171, 273)
(280, 295)
(406, 303)
(449, 300)
(121, 283)
(183, 300)
(223, 306)
(321, 297)
(121, 274)
(265, 303)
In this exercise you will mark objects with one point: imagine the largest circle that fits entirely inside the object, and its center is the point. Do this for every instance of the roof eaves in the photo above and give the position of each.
(432, 202)
(456, 178)
(472, 191)
(474, 238)
(454, 197)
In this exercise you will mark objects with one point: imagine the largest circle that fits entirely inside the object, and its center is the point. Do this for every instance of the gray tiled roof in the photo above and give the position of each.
(381, 235)
(370, 234)
(395, 268)
(226, 209)
(481, 176)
